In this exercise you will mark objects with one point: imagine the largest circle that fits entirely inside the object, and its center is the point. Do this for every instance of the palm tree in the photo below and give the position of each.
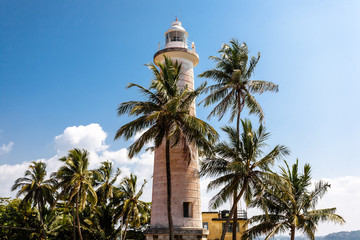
(233, 89)
(239, 164)
(134, 209)
(102, 220)
(36, 189)
(233, 86)
(76, 181)
(166, 117)
(289, 205)
(105, 180)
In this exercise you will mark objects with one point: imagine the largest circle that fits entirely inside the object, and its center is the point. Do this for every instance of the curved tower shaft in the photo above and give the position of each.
(185, 200)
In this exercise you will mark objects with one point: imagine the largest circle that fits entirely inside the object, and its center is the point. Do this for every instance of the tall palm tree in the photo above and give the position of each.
(233, 89)
(105, 179)
(76, 181)
(165, 116)
(289, 205)
(134, 209)
(239, 164)
(36, 189)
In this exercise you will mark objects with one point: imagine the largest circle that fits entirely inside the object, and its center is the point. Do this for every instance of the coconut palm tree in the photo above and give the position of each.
(76, 181)
(105, 179)
(233, 89)
(165, 116)
(289, 205)
(36, 189)
(102, 221)
(239, 164)
(134, 209)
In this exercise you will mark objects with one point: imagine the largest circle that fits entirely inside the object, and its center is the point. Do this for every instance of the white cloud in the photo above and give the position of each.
(344, 194)
(5, 148)
(119, 157)
(90, 137)
(8, 175)
(205, 195)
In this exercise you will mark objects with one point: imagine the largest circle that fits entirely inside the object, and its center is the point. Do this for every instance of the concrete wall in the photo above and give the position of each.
(215, 227)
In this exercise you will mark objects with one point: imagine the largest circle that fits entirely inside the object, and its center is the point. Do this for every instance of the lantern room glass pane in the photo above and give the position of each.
(175, 36)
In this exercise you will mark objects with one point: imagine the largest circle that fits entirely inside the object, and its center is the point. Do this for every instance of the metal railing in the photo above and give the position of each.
(187, 44)
(241, 214)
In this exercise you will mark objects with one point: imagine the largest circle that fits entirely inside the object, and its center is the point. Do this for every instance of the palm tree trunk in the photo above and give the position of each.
(126, 226)
(238, 116)
(235, 218)
(235, 192)
(74, 222)
(41, 220)
(121, 226)
(168, 185)
(77, 215)
(227, 223)
(292, 232)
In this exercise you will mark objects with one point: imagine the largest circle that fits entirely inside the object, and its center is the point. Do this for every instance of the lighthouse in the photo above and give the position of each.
(185, 200)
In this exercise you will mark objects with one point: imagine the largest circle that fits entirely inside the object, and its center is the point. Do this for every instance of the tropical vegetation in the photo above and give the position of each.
(239, 164)
(74, 203)
(289, 205)
(36, 189)
(233, 89)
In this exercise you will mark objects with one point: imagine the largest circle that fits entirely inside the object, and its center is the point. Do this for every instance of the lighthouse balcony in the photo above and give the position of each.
(175, 49)
(177, 43)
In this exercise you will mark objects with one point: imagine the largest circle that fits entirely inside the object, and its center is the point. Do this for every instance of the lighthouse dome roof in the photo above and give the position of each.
(176, 26)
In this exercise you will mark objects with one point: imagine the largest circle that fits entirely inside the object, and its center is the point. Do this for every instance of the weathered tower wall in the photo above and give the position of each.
(184, 173)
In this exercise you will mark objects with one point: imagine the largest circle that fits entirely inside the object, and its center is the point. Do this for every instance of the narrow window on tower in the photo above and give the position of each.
(187, 209)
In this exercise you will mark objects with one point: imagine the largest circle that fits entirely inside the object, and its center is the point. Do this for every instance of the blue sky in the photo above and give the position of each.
(66, 64)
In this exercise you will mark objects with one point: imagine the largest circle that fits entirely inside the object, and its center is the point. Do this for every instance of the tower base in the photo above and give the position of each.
(179, 234)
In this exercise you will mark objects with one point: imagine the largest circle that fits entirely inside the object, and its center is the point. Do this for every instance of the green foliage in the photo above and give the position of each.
(18, 221)
(289, 205)
(233, 89)
(136, 234)
(239, 164)
(36, 190)
(136, 211)
(165, 113)
(104, 180)
(76, 189)
(59, 222)
(76, 182)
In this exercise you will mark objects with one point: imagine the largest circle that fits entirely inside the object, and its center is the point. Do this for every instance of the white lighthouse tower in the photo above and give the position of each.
(185, 200)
